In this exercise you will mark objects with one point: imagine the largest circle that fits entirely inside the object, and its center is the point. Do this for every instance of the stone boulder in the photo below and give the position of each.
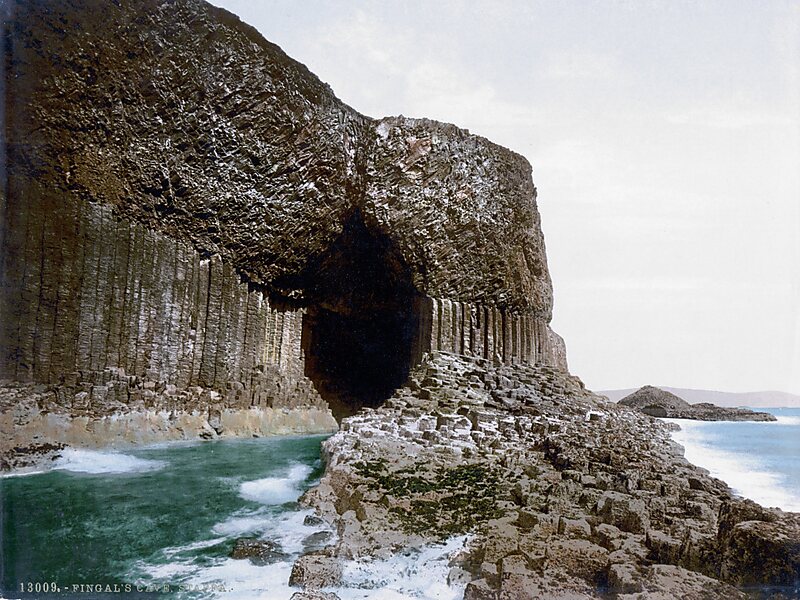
(314, 595)
(258, 552)
(316, 570)
(623, 511)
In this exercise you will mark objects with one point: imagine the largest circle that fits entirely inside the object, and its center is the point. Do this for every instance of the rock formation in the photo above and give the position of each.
(656, 402)
(199, 239)
(566, 494)
(191, 219)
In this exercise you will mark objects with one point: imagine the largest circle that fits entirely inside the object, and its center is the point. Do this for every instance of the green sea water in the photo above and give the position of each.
(157, 522)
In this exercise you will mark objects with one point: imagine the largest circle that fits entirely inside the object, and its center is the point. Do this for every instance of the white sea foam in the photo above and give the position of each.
(22, 473)
(174, 550)
(743, 473)
(419, 576)
(166, 572)
(292, 530)
(782, 420)
(97, 462)
(276, 490)
(243, 580)
(242, 524)
(289, 526)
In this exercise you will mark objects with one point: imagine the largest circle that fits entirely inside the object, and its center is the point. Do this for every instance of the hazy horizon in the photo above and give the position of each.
(756, 399)
(665, 143)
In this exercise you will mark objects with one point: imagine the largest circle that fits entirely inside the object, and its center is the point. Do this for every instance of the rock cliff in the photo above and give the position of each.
(187, 210)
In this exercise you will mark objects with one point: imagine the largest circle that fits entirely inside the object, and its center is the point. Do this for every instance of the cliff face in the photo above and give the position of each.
(186, 205)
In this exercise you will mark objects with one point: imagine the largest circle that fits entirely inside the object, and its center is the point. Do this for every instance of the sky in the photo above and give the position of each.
(665, 143)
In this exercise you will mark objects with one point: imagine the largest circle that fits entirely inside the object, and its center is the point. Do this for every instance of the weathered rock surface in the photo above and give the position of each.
(28, 455)
(178, 217)
(259, 552)
(316, 570)
(314, 595)
(656, 402)
(184, 118)
(564, 493)
(35, 425)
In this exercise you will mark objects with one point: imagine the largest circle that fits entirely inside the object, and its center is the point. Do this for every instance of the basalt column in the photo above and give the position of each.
(361, 327)
(188, 212)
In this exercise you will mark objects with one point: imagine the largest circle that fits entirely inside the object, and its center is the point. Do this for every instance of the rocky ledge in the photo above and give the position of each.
(562, 494)
(656, 402)
(37, 421)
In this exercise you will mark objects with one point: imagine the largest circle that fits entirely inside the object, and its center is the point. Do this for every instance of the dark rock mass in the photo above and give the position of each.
(191, 218)
(199, 239)
(259, 552)
(656, 402)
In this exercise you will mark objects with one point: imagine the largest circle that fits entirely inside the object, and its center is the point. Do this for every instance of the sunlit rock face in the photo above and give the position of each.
(188, 210)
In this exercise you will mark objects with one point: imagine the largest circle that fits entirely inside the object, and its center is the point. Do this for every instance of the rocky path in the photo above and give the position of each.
(565, 494)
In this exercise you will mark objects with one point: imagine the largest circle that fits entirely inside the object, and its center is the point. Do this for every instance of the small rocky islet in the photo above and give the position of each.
(200, 241)
(656, 402)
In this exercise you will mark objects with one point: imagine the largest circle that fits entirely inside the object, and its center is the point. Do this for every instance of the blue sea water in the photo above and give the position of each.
(160, 522)
(168, 516)
(758, 460)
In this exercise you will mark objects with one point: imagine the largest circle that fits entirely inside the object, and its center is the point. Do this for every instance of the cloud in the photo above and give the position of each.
(623, 284)
(728, 117)
(576, 65)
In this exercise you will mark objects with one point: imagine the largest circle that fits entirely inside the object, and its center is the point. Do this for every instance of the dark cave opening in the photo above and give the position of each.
(361, 327)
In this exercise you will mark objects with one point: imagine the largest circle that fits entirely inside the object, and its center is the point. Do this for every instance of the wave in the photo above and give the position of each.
(243, 580)
(97, 462)
(787, 420)
(421, 575)
(240, 579)
(276, 490)
(242, 525)
(22, 473)
(188, 548)
(745, 475)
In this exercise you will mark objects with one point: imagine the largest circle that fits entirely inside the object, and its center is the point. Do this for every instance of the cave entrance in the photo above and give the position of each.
(360, 331)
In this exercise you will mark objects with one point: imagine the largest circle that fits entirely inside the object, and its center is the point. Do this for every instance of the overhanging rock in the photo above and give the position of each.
(176, 184)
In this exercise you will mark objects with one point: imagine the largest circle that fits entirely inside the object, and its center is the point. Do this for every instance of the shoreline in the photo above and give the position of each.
(558, 489)
(127, 450)
(745, 474)
(37, 443)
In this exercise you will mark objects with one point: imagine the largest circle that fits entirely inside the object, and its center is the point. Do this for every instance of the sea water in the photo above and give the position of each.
(160, 522)
(758, 460)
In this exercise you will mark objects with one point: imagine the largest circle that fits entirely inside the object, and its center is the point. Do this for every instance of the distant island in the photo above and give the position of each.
(764, 399)
(656, 402)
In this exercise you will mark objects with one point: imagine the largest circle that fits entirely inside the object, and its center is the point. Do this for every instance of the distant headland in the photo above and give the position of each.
(656, 402)
(763, 399)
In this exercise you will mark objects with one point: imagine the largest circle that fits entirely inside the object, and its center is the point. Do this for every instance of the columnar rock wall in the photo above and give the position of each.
(86, 292)
(494, 333)
(169, 170)
(462, 211)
